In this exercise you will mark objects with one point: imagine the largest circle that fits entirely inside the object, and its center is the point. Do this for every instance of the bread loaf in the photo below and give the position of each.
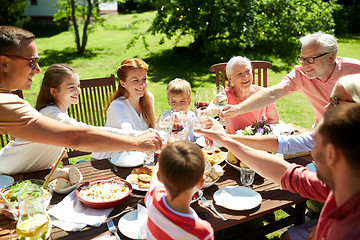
(60, 173)
(74, 175)
(59, 184)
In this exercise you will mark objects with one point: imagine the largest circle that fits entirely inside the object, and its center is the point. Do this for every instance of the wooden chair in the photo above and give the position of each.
(259, 72)
(94, 96)
(5, 138)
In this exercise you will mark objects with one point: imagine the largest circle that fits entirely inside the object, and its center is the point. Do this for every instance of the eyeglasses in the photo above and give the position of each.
(335, 101)
(309, 60)
(33, 61)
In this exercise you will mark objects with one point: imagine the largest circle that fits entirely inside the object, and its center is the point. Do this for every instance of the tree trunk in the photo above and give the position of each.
(76, 27)
(86, 25)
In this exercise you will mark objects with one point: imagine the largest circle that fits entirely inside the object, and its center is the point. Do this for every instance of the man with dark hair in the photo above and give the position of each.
(18, 65)
(337, 180)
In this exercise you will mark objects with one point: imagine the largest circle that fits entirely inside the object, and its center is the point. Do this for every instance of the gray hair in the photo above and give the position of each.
(351, 84)
(236, 60)
(326, 41)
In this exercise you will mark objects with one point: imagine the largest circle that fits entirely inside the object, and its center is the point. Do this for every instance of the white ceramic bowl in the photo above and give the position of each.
(209, 184)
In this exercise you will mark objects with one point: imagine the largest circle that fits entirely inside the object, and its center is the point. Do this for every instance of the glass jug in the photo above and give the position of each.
(34, 222)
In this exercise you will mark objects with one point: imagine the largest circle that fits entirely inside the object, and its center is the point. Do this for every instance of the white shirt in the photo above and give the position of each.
(122, 115)
(20, 156)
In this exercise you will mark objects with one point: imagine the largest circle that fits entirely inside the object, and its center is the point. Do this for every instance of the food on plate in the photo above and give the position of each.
(234, 160)
(74, 175)
(141, 176)
(212, 173)
(215, 156)
(64, 178)
(103, 190)
(60, 183)
(11, 192)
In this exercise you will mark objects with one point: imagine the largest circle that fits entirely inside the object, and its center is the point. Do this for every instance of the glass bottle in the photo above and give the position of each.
(34, 222)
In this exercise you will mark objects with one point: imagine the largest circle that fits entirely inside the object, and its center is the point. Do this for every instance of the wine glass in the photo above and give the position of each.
(220, 101)
(198, 122)
(180, 124)
(163, 125)
(201, 99)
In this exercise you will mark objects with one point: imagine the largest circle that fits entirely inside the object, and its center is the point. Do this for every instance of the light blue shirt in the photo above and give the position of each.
(295, 143)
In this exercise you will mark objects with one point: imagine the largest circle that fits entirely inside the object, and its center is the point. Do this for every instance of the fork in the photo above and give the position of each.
(208, 205)
(112, 229)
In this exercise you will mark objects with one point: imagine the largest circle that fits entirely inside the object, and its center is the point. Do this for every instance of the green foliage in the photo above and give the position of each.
(10, 12)
(228, 26)
(83, 15)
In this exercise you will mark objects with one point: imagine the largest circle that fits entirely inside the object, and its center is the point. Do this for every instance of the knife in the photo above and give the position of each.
(113, 166)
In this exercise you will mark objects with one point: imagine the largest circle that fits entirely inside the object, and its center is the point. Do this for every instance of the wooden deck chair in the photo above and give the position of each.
(5, 138)
(259, 72)
(94, 96)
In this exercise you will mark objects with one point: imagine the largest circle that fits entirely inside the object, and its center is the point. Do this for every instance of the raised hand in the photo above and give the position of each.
(150, 141)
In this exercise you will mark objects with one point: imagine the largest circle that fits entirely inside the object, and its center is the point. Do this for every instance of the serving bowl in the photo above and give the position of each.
(209, 184)
(104, 192)
(10, 193)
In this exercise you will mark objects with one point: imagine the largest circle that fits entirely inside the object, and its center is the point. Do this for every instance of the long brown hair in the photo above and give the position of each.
(146, 108)
(53, 77)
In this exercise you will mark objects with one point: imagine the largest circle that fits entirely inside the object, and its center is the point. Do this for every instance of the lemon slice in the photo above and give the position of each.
(33, 226)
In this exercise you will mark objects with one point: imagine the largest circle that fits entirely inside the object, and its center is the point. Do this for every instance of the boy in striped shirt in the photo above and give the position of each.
(175, 179)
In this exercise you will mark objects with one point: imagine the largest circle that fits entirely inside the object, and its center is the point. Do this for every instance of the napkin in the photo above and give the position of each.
(71, 215)
(142, 216)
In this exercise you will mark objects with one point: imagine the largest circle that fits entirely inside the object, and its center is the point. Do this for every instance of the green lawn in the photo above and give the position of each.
(108, 47)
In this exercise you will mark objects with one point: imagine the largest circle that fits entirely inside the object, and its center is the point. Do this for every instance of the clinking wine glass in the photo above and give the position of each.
(201, 99)
(220, 101)
(180, 124)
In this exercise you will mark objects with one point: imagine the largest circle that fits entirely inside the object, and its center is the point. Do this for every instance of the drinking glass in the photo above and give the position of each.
(247, 176)
(180, 125)
(201, 99)
(149, 160)
(198, 122)
(220, 101)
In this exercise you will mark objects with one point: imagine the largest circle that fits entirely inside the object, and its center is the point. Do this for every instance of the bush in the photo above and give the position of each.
(254, 27)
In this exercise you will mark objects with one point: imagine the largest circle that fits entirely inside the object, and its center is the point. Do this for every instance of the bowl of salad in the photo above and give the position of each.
(11, 194)
(104, 192)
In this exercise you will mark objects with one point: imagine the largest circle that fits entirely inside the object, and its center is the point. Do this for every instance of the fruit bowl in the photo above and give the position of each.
(104, 192)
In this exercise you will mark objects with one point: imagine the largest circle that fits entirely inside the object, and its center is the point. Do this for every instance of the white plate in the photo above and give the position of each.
(234, 166)
(200, 194)
(128, 159)
(201, 142)
(129, 225)
(311, 167)
(135, 186)
(224, 158)
(5, 181)
(237, 198)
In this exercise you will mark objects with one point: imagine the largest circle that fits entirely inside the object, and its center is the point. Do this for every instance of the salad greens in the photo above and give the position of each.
(258, 128)
(11, 193)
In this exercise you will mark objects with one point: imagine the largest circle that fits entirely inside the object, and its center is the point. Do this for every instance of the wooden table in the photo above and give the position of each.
(273, 199)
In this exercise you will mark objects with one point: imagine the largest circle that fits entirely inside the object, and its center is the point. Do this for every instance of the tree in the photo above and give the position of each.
(81, 13)
(10, 12)
(228, 26)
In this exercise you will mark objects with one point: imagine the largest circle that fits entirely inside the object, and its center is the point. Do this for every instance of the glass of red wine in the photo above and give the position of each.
(201, 99)
(180, 124)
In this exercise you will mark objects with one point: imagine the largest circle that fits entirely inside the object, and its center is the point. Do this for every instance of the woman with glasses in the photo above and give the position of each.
(239, 73)
(131, 106)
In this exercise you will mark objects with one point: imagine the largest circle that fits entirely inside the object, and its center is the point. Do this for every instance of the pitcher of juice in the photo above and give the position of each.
(34, 222)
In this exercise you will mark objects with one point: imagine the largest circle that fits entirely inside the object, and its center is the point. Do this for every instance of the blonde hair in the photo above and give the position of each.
(178, 86)
(146, 110)
(351, 84)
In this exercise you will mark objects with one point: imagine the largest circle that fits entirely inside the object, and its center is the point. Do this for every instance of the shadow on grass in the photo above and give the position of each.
(65, 55)
(45, 28)
(180, 63)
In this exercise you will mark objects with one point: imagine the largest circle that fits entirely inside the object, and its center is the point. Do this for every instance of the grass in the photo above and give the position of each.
(107, 48)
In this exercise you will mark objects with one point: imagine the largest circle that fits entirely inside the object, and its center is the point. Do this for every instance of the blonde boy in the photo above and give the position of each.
(180, 171)
(178, 94)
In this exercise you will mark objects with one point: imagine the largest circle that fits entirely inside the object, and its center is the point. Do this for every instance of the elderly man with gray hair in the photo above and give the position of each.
(320, 69)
